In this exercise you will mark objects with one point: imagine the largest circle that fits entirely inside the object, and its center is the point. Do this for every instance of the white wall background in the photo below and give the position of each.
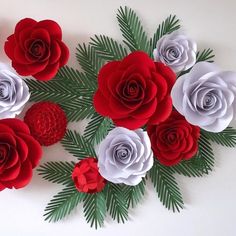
(210, 201)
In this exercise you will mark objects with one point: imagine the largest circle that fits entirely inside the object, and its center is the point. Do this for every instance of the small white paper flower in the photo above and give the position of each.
(206, 96)
(14, 93)
(176, 50)
(125, 156)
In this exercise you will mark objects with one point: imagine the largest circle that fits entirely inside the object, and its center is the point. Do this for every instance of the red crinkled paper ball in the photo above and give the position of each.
(47, 122)
(134, 91)
(86, 176)
(37, 49)
(174, 140)
(20, 153)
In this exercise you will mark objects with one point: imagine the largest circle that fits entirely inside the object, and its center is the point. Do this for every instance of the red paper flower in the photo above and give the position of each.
(174, 140)
(86, 176)
(47, 122)
(134, 91)
(36, 48)
(19, 154)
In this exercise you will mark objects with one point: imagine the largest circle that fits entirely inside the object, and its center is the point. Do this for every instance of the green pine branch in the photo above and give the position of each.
(78, 81)
(70, 88)
(134, 194)
(132, 30)
(57, 172)
(108, 49)
(95, 209)
(166, 187)
(89, 61)
(53, 90)
(97, 129)
(205, 155)
(189, 168)
(116, 202)
(62, 204)
(226, 137)
(205, 55)
(77, 145)
(170, 24)
(78, 109)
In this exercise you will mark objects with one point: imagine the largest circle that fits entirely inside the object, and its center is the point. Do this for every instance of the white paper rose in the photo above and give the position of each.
(206, 96)
(176, 50)
(125, 156)
(14, 93)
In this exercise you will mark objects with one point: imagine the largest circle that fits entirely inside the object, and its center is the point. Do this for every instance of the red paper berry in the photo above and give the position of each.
(47, 122)
(86, 176)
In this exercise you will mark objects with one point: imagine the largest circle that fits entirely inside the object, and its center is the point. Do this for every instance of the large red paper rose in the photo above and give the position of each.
(86, 176)
(135, 91)
(19, 154)
(36, 48)
(174, 140)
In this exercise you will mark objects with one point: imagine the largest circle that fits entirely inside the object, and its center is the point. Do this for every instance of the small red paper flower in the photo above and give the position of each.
(19, 154)
(174, 140)
(36, 48)
(47, 122)
(135, 91)
(86, 177)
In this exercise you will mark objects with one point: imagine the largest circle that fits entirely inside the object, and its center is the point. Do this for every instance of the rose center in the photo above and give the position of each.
(4, 90)
(209, 101)
(172, 53)
(171, 137)
(122, 153)
(4, 149)
(38, 49)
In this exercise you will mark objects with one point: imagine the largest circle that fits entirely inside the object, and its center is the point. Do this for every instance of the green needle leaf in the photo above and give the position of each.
(62, 204)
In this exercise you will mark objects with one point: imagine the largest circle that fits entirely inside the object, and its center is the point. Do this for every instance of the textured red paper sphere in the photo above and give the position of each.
(47, 122)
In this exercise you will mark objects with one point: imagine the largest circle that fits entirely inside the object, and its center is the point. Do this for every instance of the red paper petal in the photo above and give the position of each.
(24, 23)
(48, 73)
(41, 34)
(65, 53)
(16, 125)
(52, 27)
(9, 46)
(23, 178)
(34, 149)
(55, 53)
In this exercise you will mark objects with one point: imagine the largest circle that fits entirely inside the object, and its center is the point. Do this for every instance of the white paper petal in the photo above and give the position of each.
(125, 156)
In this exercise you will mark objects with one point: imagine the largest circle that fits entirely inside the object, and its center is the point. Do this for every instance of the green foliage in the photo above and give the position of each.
(78, 109)
(77, 81)
(97, 129)
(77, 145)
(57, 172)
(170, 24)
(63, 203)
(95, 209)
(226, 137)
(205, 55)
(166, 187)
(205, 155)
(132, 30)
(53, 90)
(133, 194)
(107, 48)
(189, 168)
(89, 61)
(116, 202)
(70, 88)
